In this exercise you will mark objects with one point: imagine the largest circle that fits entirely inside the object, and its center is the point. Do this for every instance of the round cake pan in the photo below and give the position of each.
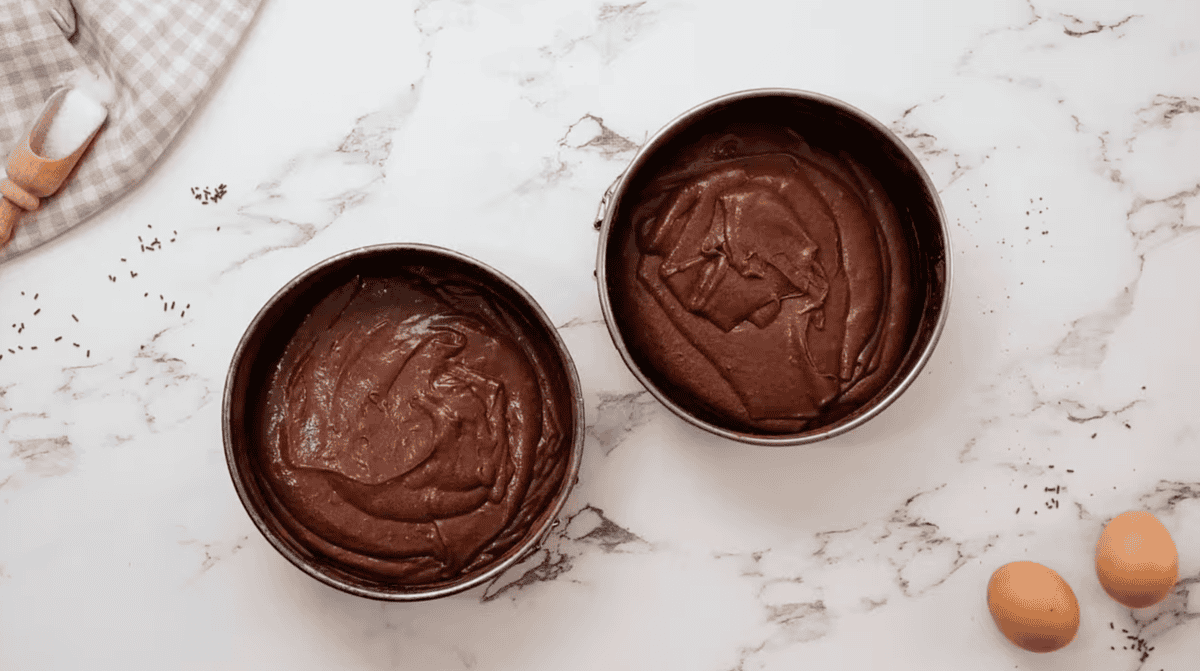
(259, 355)
(829, 127)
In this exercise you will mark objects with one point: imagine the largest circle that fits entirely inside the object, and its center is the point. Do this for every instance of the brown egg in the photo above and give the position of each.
(1136, 559)
(1033, 606)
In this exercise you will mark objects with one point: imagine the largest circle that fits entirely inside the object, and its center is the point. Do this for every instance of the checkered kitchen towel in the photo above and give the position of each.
(160, 55)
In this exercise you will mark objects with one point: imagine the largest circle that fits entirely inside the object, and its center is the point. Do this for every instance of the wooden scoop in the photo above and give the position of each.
(32, 176)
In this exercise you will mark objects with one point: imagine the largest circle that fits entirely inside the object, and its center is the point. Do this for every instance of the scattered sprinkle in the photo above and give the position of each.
(206, 195)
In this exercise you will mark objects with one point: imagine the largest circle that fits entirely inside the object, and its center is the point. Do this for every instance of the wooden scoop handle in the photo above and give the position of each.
(10, 212)
(14, 202)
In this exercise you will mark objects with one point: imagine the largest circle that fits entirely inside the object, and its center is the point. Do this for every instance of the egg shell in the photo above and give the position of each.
(1033, 606)
(1137, 562)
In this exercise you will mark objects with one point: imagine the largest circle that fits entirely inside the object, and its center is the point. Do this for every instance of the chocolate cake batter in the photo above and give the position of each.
(412, 429)
(764, 283)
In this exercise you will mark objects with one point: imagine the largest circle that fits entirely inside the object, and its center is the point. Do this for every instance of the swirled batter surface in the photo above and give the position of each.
(765, 283)
(413, 429)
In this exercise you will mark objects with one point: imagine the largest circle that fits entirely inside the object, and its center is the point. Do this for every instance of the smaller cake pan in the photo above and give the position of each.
(385, 505)
(774, 266)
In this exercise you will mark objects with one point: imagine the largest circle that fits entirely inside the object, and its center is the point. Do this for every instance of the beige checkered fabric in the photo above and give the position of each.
(160, 55)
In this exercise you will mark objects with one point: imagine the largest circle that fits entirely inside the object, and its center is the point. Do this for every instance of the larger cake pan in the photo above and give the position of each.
(247, 418)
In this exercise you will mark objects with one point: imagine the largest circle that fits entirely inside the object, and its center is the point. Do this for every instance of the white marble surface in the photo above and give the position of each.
(1062, 135)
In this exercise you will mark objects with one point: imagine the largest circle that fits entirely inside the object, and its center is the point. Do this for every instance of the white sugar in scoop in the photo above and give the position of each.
(45, 157)
(77, 118)
(83, 109)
